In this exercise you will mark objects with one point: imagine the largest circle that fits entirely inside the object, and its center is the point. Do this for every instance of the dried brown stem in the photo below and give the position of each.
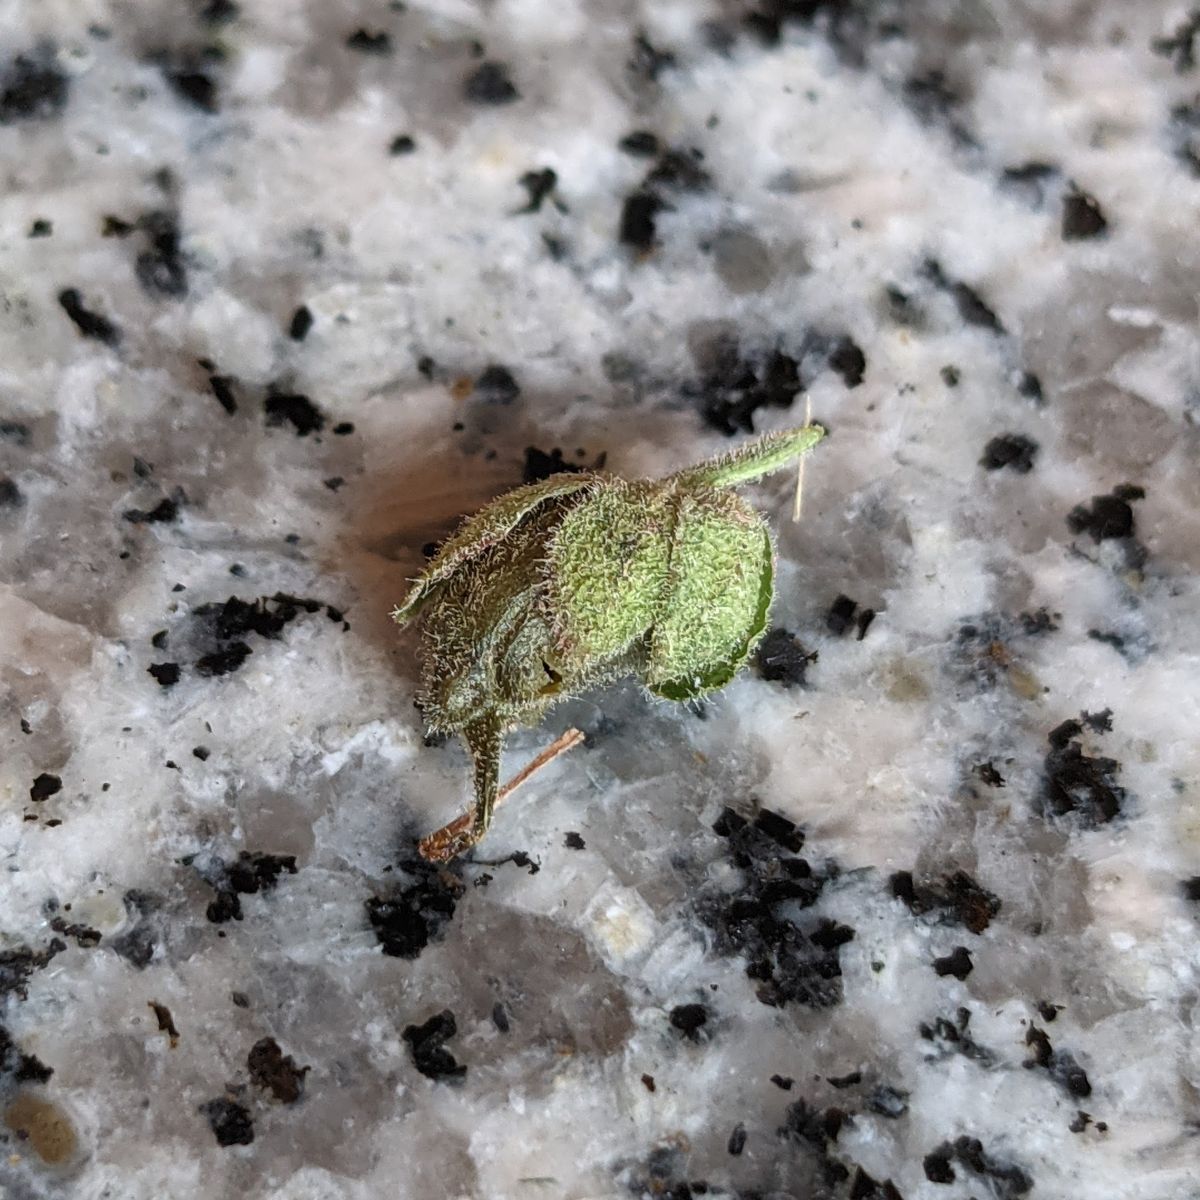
(443, 844)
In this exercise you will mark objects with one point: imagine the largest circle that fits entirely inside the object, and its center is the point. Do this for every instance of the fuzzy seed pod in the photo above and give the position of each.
(584, 578)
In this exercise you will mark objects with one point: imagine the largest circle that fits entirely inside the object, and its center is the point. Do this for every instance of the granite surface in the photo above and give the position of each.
(912, 909)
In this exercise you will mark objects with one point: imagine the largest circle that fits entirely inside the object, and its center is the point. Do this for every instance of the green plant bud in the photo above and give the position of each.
(561, 585)
(714, 608)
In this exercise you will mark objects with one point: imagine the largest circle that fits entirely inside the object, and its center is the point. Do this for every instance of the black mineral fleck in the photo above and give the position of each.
(888, 1101)
(18, 964)
(948, 1037)
(1180, 45)
(972, 308)
(163, 513)
(847, 360)
(780, 830)
(15, 432)
(1077, 785)
(737, 381)
(1183, 130)
(32, 87)
(1059, 1064)
(83, 936)
(782, 658)
(16, 1064)
(931, 99)
(165, 673)
(662, 1174)
(251, 872)
(1082, 217)
(648, 62)
(1030, 386)
(639, 214)
(401, 144)
(1038, 622)
(538, 185)
(222, 627)
(679, 170)
(986, 772)
(276, 1072)
(226, 907)
(1007, 1179)
(160, 267)
(957, 963)
(641, 143)
(866, 1187)
(295, 410)
(690, 1020)
(819, 1129)
(189, 76)
(10, 495)
(793, 955)
(136, 944)
(938, 1165)
(416, 913)
(367, 42)
(230, 1121)
(1109, 516)
(1108, 638)
(300, 324)
(1012, 450)
(1030, 181)
(840, 617)
(539, 465)
(224, 661)
(490, 83)
(845, 23)
(90, 324)
(427, 1044)
(497, 385)
(45, 786)
(219, 12)
(116, 227)
(903, 309)
(956, 899)
(222, 388)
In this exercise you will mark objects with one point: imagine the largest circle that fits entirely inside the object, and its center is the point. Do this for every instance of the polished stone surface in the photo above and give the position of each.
(911, 909)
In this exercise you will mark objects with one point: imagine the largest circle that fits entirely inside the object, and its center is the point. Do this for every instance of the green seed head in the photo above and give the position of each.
(555, 587)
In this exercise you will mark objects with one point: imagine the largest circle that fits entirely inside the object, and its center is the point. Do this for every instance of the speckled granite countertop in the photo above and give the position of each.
(910, 910)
